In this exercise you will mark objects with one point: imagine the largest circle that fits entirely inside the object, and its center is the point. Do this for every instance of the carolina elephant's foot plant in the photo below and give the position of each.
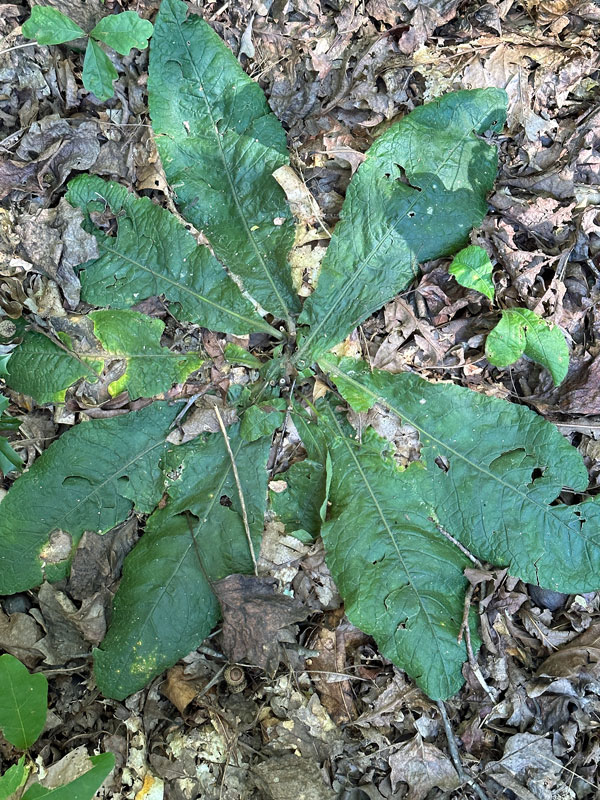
(490, 472)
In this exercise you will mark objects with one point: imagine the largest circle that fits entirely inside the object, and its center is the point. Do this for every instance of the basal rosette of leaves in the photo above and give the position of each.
(490, 472)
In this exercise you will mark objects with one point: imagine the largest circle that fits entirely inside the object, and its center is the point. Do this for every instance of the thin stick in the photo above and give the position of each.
(466, 609)
(465, 631)
(454, 754)
(460, 545)
(17, 47)
(239, 487)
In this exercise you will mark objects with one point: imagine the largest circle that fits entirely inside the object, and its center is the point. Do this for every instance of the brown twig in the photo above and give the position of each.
(454, 754)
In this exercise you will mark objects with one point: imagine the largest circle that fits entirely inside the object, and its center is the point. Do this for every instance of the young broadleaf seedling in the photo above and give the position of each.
(520, 331)
(23, 711)
(121, 32)
(486, 485)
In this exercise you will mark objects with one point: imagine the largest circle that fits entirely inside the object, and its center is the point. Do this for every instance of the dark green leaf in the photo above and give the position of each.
(98, 71)
(123, 31)
(44, 370)
(401, 579)
(23, 702)
(520, 331)
(153, 254)
(262, 420)
(165, 605)
(135, 338)
(239, 355)
(89, 479)
(493, 474)
(219, 144)
(49, 26)
(301, 506)
(82, 788)
(472, 268)
(298, 504)
(9, 460)
(416, 197)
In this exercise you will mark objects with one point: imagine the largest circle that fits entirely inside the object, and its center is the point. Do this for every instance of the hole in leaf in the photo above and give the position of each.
(443, 463)
(75, 480)
(225, 501)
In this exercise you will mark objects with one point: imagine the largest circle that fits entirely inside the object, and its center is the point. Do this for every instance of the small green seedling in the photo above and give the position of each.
(472, 268)
(121, 32)
(23, 710)
(520, 331)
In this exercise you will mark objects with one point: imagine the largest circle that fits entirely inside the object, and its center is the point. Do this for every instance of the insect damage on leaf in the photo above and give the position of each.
(489, 476)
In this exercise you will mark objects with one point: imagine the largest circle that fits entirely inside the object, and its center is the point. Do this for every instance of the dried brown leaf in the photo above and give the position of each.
(254, 618)
(422, 766)
(580, 656)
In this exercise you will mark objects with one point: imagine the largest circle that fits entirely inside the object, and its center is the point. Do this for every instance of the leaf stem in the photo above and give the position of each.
(239, 486)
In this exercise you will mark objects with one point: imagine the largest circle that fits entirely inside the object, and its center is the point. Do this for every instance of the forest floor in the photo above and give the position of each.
(339, 721)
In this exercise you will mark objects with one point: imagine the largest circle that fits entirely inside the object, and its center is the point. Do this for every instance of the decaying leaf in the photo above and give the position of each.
(254, 619)
(422, 766)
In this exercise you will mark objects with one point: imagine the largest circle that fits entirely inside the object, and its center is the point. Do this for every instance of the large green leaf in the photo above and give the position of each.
(23, 702)
(165, 605)
(89, 479)
(44, 370)
(401, 579)
(123, 31)
(493, 473)
(153, 254)
(83, 787)
(416, 197)
(219, 145)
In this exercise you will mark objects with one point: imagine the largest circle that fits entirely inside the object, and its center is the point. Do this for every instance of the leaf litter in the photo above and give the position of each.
(338, 719)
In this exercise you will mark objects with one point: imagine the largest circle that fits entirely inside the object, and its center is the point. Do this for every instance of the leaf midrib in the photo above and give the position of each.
(258, 323)
(247, 231)
(545, 509)
(193, 544)
(113, 354)
(393, 540)
(355, 275)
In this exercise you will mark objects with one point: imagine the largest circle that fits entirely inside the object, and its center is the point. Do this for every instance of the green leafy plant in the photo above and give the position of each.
(121, 32)
(488, 481)
(520, 331)
(23, 710)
